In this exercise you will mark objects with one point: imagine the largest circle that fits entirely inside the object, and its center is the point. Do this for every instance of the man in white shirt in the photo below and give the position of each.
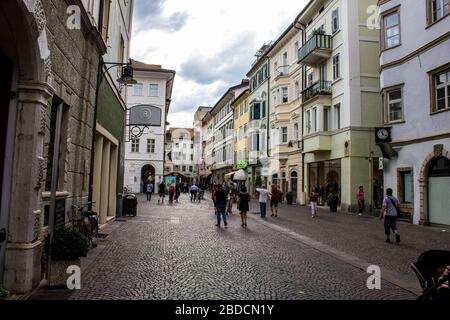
(263, 192)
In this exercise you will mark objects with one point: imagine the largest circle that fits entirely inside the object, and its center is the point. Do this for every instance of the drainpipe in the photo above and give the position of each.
(94, 123)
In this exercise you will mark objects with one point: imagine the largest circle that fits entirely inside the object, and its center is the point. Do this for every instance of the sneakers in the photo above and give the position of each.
(218, 225)
(397, 238)
(388, 240)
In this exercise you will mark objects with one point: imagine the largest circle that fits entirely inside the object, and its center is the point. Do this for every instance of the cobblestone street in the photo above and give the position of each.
(176, 252)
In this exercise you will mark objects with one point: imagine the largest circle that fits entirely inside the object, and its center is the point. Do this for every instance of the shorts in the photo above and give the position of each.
(274, 204)
(162, 195)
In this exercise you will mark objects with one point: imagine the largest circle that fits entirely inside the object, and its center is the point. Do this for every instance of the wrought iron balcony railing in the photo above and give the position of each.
(319, 42)
(317, 88)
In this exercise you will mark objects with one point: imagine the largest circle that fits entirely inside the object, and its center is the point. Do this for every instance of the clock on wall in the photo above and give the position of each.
(383, 135)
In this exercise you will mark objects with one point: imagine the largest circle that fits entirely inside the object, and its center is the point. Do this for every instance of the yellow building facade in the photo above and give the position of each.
(241, 120)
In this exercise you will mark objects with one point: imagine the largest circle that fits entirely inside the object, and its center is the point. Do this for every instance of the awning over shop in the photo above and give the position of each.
(387, 150)
(229, 175)
(240, 175)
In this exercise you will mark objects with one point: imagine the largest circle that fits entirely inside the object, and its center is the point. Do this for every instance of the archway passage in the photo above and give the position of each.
(5, 95)
(438, 186)
(147, 176)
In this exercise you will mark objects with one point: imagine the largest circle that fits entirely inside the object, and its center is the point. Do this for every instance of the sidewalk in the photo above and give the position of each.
(358, 236)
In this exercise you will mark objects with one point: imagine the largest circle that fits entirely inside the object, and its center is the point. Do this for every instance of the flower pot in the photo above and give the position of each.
(58, 272)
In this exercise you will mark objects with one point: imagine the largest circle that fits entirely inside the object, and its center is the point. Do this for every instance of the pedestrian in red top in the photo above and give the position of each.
(360, 199)
(274, 201)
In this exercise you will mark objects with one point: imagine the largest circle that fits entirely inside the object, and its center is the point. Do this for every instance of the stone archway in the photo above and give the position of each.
(438, 152)
(147, 175)
(23, 40)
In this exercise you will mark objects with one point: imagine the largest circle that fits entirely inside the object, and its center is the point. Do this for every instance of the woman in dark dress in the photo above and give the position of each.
(244, 199)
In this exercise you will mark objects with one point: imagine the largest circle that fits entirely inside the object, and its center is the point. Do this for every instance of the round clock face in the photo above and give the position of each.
(383, 134)
(135, 131)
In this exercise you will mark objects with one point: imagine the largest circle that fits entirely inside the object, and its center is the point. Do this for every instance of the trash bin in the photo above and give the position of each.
(129, 207)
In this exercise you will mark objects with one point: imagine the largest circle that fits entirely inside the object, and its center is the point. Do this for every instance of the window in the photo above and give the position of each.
(184, 145)
(134, 145)
(394, 104)
(184, 168)
(326, 119)
(337, 115)
(284, 134)
(138, 89)
(314, 120)
(190, 168)
(192, 146)
(336, 67)
(153, 90)
(150, 145)
(406, 185)
(335, 21)
(263, 141)
(246, 106)
(310, 79)
(105, 19)
(241, 109)
(255, 111)
(263, 109)
(285, 94)
(296, 48)
(441, 90)
(177, 145)
(308, 122)
(295, 131)
(391, 29)
(438, 9)
(297, 89)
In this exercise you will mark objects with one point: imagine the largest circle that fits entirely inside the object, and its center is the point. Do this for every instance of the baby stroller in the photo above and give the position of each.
(428, 269)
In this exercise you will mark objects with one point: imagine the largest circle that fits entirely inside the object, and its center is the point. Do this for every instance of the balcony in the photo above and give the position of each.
(318, 142)
(316, 89)
(317, 49)
(282, 71)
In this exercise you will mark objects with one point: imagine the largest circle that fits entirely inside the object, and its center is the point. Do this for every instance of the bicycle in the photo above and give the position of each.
(85, 222)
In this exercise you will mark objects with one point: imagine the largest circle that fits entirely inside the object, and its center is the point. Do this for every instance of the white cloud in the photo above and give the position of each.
(211, 47)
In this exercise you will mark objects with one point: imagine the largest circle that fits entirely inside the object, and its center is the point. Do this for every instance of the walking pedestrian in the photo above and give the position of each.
(171, 193)
(244, 199)
(274, 201)
(229, 199)
(263, 193)
(390, 212)
(221, 203)
(149, 191)
(162, 192)
(177, 192)
(360, 199)
(313, 197)
(194, 189)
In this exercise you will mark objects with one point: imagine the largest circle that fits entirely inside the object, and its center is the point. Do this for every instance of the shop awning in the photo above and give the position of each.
(387, 150)
(240, 175)
(229, 175)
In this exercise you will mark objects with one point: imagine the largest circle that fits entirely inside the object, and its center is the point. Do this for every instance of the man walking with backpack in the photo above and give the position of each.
(390, 212)
(221, 203)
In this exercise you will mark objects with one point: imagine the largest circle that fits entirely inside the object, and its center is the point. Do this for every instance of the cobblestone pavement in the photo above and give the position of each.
(176, 252)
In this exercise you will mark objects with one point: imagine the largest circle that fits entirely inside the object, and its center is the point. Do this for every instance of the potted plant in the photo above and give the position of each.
(4, 294)
(289, 198)
(333, 200)
(280, 197)
(66, 249)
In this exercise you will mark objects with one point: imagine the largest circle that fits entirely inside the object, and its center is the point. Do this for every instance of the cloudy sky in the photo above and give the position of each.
(209, 43)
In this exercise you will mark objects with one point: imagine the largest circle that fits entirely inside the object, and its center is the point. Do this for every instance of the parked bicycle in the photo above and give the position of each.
(86, 222)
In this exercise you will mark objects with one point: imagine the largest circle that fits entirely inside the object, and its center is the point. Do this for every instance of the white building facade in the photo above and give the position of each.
(415, 82)
(223, 150)
(148, 106)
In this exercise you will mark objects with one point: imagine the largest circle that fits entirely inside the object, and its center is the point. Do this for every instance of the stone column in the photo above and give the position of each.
(97, 172)
(104, 193)
(23, 249)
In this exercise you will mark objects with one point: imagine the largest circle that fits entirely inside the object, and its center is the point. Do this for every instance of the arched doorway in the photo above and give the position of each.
(147, 175)
(294, 185)
(25, 93)
(438, 186)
